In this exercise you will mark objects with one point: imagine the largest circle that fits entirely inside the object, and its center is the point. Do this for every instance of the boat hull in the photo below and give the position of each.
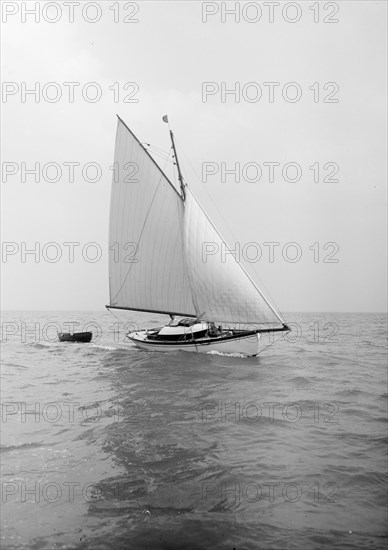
(244, 344)
(82, 337)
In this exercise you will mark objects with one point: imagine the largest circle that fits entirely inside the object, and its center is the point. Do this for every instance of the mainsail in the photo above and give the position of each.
(169, 272)
(146, 263)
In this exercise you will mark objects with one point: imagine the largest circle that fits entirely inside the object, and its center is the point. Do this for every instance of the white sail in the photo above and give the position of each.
(221, 289)
(157, 247)
(147, 268)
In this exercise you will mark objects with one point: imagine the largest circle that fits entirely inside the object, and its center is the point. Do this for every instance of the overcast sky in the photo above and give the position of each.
(167, 56)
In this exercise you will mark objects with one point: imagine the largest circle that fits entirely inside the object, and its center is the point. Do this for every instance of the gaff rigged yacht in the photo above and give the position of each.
(162, 232)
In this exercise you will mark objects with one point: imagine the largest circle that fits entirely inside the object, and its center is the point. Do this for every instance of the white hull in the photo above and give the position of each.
(245, 345)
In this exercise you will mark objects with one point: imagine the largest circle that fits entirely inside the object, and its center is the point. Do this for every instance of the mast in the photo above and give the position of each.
(180, 177)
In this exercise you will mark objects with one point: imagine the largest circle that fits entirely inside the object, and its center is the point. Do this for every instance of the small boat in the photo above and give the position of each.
(166, 260)
(83, 337)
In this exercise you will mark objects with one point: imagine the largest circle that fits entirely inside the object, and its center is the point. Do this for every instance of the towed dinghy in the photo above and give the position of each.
(83, 337)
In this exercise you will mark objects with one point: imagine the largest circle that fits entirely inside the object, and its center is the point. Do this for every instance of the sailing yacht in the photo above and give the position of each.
(213, 305)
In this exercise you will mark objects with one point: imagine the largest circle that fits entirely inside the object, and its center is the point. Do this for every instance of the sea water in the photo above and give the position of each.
(108, 446)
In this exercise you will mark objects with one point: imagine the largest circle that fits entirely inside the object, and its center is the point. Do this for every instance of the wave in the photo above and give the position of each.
(223, 354)
(42, 345)
(107, 348)
(21, 447)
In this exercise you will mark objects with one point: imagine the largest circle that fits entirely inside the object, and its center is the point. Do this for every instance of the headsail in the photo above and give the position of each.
(146, 263)
(221, 289)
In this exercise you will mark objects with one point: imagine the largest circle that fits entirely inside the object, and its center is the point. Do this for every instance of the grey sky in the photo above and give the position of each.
(169, 53)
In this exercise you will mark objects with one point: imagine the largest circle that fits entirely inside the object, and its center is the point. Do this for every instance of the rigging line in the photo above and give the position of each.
(262, 285)
(156, 147)
(271, 344)
(157, 151)
(141, 232)
(121, 321)
(156, 154)
(112, 312)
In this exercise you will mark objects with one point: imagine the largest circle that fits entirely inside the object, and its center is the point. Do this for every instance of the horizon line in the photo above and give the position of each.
(104, 310)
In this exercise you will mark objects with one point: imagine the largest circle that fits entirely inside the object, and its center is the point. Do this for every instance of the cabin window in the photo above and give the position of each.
(186, 322)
